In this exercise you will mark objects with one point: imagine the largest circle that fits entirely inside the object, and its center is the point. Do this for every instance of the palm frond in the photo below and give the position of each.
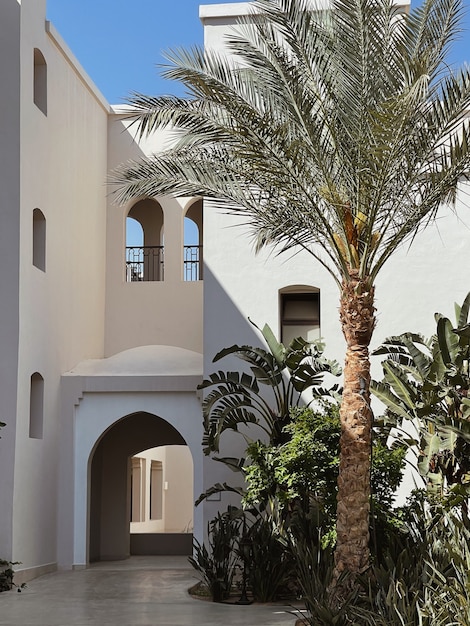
(336, 132)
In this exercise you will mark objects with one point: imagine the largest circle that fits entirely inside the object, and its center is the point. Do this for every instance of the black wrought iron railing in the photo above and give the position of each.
(144, 263)
(192, 263)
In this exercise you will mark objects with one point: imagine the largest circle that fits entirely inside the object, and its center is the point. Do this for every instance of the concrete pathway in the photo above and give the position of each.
(141, 590)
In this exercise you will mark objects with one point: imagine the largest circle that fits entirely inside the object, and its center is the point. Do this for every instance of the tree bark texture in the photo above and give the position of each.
(357, 315)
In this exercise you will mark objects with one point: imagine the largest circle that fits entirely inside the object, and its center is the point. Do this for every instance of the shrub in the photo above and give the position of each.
(217, 563)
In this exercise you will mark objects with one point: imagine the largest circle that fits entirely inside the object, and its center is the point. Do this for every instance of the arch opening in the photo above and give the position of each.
(193, 238)
(144, 249)
(36, 406)
(40, 80)
(39, 239)
(136, 474)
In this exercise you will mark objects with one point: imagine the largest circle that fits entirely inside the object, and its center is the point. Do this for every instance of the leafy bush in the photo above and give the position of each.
(217, 564)
(7, 574)
(422, 580)
(426, 384)
(271, 572)
(304, 470)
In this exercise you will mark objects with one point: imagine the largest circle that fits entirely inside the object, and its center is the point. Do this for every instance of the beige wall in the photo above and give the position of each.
(9, 257)
(167, 312)
(61, 310)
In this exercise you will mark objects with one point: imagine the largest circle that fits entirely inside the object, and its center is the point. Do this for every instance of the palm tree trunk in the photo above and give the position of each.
(357, 314)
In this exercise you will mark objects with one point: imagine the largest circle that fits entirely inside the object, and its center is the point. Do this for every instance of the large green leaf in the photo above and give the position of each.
(404, 389)
(421, 360)
(392, 402)
(434, 390)
(277, 349)
(448, 341)
(219, 488)
(462, 317)
(233, 463)
(430, 446)
(256, 357)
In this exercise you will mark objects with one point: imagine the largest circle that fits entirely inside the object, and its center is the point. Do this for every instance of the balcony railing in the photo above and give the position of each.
(144, 263)
(192, 263)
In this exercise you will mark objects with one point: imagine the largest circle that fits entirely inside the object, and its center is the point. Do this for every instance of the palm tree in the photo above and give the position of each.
(339, 132)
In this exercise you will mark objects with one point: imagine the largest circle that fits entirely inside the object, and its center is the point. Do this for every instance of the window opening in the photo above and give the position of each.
(39, 240)
(300, 316)
(144, 242)
(192, 249)
(36, 406)
(40, 81)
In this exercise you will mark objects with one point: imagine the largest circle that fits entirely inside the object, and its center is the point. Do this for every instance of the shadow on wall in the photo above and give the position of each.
(225, 324)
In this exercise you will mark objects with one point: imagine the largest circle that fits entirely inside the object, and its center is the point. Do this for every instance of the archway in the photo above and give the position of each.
(144, 258)
(153, 388)
(111, 488)
(193, 240)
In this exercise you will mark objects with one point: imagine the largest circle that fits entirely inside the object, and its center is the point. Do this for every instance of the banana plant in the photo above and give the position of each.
(428, 382)
(280, 378)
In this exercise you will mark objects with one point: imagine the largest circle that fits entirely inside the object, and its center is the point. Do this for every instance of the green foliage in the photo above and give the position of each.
(219, 561)
(428, 381)
(423, 579)
(304, 469)
(279, 377)
(271, 573)
(313, 554)
(7, 575)
(427, 583)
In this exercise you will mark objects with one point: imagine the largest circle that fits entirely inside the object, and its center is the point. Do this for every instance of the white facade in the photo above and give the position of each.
(96, 368)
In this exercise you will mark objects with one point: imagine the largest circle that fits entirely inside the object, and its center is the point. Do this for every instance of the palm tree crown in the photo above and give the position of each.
(335, 131)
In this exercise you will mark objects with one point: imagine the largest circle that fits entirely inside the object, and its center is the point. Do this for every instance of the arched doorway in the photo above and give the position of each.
(112, 483)
(146, 396)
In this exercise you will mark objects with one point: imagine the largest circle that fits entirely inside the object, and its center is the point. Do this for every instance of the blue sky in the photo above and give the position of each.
(119, 42)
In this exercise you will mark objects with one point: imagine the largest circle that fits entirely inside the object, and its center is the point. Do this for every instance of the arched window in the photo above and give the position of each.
(39, 240)
(144, 242)
(299, 313)
(40, 81)
(36, 406)
(193, 237)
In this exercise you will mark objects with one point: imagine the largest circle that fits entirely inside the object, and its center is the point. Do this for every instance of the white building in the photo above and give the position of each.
(101, 353)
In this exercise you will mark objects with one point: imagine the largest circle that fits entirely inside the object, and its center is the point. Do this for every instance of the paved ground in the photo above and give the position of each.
(141, 590)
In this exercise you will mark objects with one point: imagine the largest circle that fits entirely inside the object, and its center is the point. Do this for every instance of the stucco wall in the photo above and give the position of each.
(9, 257)
(61, 314)
(167, 312)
